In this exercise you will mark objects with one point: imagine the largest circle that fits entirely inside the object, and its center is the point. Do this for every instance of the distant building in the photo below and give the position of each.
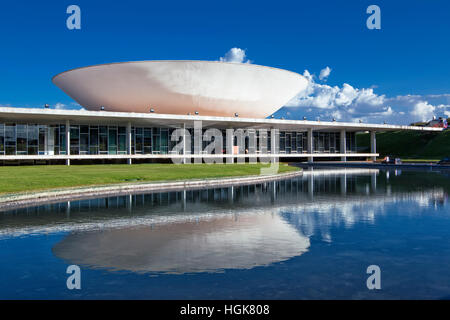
(437, 123)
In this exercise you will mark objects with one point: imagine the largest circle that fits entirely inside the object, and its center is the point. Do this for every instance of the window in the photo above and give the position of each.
(147, 140)
(10, 139)
(93, 140)
(21, 132)
(122, 140)
(112, 140)
(62, 139)
(33, 139)
(103, 139)
(2, 138)
(139, 141)
(74, 139)
(164, 140)
(84, 139)
(156, 140)
(316, 142)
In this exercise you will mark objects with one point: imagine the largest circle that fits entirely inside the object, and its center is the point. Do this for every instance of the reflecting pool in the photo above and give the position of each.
(311, 237)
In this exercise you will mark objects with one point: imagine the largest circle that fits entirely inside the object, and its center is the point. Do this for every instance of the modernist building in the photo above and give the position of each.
(133, 108)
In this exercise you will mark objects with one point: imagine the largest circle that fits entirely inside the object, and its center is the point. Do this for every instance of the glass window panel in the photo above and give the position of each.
(122, 130)
(103, 143)
(84, 129)
(139, 143)
(62, 139)
(165, 139)
(74, 136)
(84, 143)
(93, 136)
(42, 138)
(21, 131)
(55, 137)
(156, 140)
(10, 150)
(74, 149)
(10, 135)
(122, 143)
(32, 150)
(2, 138)
(327, 142)
(112, 140)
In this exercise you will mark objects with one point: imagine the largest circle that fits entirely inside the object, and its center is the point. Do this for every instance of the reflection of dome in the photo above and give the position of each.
(204, 246)
(179, 87)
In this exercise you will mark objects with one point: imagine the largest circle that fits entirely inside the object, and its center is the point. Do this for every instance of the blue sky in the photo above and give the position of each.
(397, 74)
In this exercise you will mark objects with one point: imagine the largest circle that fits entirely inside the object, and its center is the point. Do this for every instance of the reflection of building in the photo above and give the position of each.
(135, 107)
(229, 242)
(316, 191)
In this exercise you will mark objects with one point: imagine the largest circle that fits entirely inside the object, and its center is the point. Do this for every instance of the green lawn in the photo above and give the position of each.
(414, 145)
(32, 178)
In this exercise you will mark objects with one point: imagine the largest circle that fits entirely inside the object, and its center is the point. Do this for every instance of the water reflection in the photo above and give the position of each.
(229, 242)
(222, 228)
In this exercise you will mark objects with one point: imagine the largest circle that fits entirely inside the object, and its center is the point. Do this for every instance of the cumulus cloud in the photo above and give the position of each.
(348, 103)
(423, 110)
(325, 73)
(235, 55)
(323, 96)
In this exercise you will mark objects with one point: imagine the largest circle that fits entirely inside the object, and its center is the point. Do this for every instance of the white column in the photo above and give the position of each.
(373, 144)
(129, 160)
(274, 144)
(198, 141)
(68, 141)
(309, 138)
(343, 144)
(229, 147)
(184, 144)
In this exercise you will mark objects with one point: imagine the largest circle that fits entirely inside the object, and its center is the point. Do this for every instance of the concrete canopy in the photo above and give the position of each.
(210, 88)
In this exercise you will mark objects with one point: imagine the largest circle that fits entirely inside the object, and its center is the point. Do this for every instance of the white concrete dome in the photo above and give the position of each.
(211, 88)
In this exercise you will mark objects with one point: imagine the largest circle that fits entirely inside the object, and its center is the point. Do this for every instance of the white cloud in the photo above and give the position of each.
(235, 55)
(325, 73)
(61, 106)
(423, 110)
(347, 103)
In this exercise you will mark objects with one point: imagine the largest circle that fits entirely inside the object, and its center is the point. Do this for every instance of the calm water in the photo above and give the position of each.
(311, 237)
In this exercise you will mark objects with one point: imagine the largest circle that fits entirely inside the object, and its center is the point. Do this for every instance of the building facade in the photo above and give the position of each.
(78, 135)
(174, 110)
(21, 139)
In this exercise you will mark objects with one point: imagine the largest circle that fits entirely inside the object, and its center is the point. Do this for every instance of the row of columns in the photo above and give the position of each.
(230, 143)
(343, 144)
(129, 160)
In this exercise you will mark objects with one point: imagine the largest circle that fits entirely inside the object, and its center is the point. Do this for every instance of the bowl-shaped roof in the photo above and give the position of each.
(181, 87)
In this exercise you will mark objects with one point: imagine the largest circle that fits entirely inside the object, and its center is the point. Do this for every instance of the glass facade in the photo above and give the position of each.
(32, 139)
(38, 139)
